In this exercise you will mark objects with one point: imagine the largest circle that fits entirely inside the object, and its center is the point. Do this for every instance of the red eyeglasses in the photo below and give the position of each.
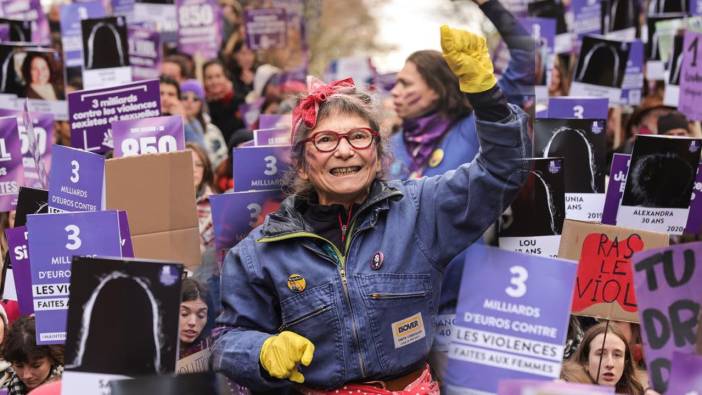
(328, 140)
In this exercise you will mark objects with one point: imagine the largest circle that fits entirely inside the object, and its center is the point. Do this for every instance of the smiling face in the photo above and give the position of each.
(411, 95)
(344, 175)
(613, 359)
(39, 70)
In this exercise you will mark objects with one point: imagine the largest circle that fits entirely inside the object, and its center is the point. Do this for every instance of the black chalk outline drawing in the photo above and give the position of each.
(590, 151)
(658, 6)
(588, 57)
(5, 65)
(90, 51)
(549, 200)
(611, 18)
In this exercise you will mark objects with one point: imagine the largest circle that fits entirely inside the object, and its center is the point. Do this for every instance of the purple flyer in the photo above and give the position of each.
(694, 218)
(685, 374)
(11, 170)
(29, 10)
(492, 319)
(268, 121)
(257, 168)
(92, 111)
(144, 51)
(71, 15)
(272, 136)
(615, 188)
(19, 256)
(148, 136)
(632, 85)
(125, 236)
(265, 28)
(667, 281)
(235, 214)
(53, 240)
(38, 145)
(199, 30)
(543, 30)
(123, 7)
(690, 81)
(578, 107)
(76, 182)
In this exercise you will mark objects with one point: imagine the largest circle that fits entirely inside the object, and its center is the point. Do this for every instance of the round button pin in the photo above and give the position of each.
(296, 283)
(377, 261)
(436, 157)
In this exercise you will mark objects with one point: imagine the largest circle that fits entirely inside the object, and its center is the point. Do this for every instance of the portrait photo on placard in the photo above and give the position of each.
(31, 72)
(602, 62)
(105, 43)
(662, 172)
(618, 15)
(127, 310)
(581, 142)
(539, 209)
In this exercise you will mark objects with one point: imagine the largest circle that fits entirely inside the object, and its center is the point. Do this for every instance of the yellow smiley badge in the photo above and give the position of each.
(296, 283)
(436, 157)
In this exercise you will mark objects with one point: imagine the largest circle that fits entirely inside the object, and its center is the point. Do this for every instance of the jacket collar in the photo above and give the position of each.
(288, 218)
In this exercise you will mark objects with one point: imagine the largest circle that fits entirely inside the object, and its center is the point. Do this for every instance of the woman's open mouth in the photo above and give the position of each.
(345, 171)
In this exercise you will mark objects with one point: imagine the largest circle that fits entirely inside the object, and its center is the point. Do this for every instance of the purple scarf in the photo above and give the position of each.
(421, 135)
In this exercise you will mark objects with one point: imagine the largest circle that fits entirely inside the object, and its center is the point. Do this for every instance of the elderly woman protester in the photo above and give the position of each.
(338, 290)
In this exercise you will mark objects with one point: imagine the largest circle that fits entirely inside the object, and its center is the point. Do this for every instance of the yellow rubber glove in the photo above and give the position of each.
(467, 56)
(281, 353)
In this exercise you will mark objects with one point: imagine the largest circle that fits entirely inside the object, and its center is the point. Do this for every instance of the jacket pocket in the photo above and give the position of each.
(400, 312)
(314, 315)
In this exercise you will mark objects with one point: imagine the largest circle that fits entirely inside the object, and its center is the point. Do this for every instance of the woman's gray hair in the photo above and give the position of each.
(344, 101)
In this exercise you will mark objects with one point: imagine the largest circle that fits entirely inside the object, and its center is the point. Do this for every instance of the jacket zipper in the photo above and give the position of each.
(379, 296)
(305, 317)
(341, 265)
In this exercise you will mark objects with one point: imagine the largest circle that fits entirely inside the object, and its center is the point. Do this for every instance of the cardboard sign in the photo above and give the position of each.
(265, 28)
(162, 221)
(600, 69)
(109, 299)
(667, 288)
(577, 108)
(509, 328)
(148, 136)
(144, 51)
(199, 27)
(92, 111)
(582, 143)
(77, 180)
(685, 374)
(615, 188)
(17, 243)
(603, 288)
(659, 183)
(11, 169)
(258, 168)
(194, 363)
(690, 80)
(53, 240)
(105, 52)
(538, 211)
(272, 136)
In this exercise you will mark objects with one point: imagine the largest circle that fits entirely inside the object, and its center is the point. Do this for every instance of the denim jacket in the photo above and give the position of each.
(369, 310)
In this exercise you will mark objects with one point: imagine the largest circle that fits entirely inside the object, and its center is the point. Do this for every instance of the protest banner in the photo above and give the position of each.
(148, 136)
(144, 51)
(71, 37)
(35, 144)
(199, 27)
(272, 136)
(162, 220)
(509, 328)
(577, 107)
(543, 31)
(600, 68)
(257, 168)
(265, 28)
(92, 111)
(685, 374)
(581, 142)
(11, 168)
(667, 289)
(604, 286)
(538, 211)
(671, 96)
(659, 183)
(691, 77)
(105, 52)
(17, 242)
(53, 240)
(109, 298)
(77, 180)
(615, 188)
(655, 66)
(161, 13)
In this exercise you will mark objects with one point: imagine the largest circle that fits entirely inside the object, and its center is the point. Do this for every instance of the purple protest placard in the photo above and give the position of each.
(38, 145)
(694, 218)
(257, 168)
(266, 28)
(541, 387)
(29, 10)
(503, 304)
(53, 240)
(148, 136)
(76, 181)
(268, 121)
(235, 214)
(578, 107)
(11, 169)
(144, 51)
(586, 19)
(19, 256)
(92, 111)
(667, 292)
(632, 85)
(690, 80)
(125, 236)
(199, 30)
(615, 188)
(272, 136)
(685, 374)
(71, 15)
(543, 30)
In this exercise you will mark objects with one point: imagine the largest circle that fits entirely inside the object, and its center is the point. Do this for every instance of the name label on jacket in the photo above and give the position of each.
(408, 330)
